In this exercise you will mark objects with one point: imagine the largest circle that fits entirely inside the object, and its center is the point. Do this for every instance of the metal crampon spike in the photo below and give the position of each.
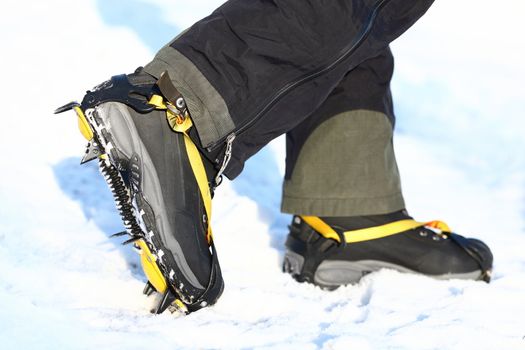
(170, 302)
(92, 152)
(131, 240)
(149, 289)
(167, 299)
(67, 107)
(118, 234)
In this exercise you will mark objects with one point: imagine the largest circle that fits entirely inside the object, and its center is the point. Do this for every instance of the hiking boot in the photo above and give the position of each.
(331, 252)
(152, 170)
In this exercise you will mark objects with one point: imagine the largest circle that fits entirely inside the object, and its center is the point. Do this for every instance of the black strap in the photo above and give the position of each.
(215, 285)
(473, 251)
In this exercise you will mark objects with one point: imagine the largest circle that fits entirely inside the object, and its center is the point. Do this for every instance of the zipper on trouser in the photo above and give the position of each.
(288, 87)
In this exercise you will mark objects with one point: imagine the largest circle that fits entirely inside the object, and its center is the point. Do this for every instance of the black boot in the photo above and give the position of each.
(348, 254)
(147, 166)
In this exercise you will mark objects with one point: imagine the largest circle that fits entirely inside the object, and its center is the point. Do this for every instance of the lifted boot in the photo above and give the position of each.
(138, 128)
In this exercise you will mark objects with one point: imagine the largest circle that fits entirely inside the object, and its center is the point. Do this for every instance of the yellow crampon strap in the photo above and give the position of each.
(150, 267)
(198, 170)
(367, 234)
(182, 124)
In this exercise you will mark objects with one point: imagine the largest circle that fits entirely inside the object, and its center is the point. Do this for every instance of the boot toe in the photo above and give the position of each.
(478, 252)
(483, 251)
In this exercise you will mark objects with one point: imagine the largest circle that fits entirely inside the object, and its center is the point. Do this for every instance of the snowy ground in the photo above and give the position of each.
(460, 145)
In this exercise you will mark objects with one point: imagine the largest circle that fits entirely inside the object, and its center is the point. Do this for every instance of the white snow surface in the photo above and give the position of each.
(460, 143)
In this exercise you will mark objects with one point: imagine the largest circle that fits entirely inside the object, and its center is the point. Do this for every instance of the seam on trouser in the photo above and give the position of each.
(208, 109)
(346, 167)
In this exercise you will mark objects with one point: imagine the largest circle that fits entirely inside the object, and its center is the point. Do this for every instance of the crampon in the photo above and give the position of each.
(137, 128)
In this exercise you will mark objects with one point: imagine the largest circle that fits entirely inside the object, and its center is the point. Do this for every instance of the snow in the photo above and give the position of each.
(64, 284)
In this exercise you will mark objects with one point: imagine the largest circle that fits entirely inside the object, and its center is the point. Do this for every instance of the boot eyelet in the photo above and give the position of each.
(423, 233)
(435, 238)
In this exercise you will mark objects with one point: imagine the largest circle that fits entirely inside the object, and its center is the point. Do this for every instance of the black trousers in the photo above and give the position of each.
(258, 69)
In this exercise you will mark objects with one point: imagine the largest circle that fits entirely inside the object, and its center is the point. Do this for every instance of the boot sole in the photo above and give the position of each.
(331, 274)
(120, 140)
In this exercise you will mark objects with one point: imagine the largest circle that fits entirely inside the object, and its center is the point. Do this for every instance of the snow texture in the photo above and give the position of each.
(65, 285)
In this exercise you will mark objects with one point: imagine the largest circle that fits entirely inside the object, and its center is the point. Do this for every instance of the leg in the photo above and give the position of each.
(341, 172)
(257, 69)
(340, 160)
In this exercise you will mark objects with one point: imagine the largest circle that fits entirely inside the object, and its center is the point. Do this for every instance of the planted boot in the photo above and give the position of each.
(139, 130)
(330, 252)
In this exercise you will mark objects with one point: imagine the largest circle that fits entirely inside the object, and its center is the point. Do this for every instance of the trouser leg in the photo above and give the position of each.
(257, 69)
(340, 160)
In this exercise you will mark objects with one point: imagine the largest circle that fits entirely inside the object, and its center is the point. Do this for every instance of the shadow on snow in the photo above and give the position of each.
(84, 184)
(261, 181)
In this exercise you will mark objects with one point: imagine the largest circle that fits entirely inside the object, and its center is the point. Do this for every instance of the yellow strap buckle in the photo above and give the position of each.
(178, 123)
